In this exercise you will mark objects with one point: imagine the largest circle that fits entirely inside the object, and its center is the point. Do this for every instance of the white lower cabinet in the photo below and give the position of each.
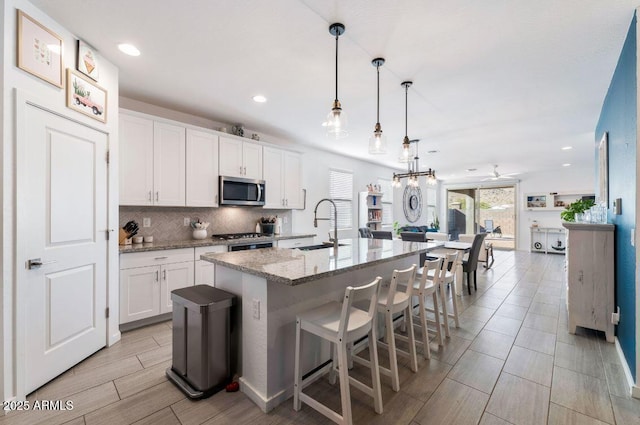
(147, 279)
(205, 271)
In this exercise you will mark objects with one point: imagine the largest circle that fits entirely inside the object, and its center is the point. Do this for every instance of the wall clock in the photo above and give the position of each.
(412, 203)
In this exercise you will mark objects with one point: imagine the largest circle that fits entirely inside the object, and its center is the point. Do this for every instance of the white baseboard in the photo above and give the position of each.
(634, 390)
(265, 404)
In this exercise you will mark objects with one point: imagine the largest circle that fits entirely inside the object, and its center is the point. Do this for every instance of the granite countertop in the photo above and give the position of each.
(294, 267)
(194, 243)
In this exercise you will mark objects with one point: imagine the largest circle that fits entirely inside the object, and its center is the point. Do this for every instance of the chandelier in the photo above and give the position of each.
(413, 168)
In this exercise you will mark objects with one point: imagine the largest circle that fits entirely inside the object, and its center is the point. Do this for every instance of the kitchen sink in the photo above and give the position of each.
(320, 246)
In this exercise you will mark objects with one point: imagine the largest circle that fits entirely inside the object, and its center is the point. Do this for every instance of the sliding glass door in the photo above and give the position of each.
(488, 210)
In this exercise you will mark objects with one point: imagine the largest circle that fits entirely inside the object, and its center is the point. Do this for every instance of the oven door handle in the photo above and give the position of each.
(259, 192)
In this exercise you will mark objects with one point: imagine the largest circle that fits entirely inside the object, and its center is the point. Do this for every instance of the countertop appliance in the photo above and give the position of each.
(242, 246)
(239, 191)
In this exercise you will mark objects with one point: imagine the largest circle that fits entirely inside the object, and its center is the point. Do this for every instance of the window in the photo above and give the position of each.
(341, 191)
(387, 202)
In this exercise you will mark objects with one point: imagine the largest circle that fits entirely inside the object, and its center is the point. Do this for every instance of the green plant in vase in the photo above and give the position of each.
(579, 206)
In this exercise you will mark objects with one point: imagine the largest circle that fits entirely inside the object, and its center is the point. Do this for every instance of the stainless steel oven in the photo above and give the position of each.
(239, 191)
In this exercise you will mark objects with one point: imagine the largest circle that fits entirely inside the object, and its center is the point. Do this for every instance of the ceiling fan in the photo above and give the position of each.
(495, 175)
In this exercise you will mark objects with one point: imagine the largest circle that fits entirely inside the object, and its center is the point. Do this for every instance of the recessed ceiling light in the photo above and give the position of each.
(567, 148)
(472, 169)
(259, 98)
(434, 151)
(566, 164)
(129, 49)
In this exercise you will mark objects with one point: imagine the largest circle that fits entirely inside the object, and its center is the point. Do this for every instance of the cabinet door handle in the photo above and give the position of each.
(216, 200)
(283, 202)
(157, 196)
(286, 202)
(241, 170)
(245, 171)
(150, 199)
(157, 275)
(164, 275)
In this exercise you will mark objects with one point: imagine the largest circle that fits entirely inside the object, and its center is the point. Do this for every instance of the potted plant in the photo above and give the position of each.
(579, 206)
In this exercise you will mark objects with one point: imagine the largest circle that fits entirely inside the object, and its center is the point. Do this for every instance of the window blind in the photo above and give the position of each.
(341, 191)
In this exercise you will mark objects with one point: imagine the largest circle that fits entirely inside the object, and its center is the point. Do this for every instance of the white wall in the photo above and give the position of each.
(14, 78)
(569, 179)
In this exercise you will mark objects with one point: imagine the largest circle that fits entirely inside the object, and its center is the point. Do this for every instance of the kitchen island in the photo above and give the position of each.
(276, 284)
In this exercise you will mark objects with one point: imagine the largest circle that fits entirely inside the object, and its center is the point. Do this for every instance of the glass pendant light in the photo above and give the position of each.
(337, 119)
(406, 155)
(378, 141)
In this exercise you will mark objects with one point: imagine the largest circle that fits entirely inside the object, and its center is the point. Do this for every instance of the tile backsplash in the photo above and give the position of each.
(167, 223)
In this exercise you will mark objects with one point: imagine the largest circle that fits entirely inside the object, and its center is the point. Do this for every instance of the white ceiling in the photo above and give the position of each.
(495, 81)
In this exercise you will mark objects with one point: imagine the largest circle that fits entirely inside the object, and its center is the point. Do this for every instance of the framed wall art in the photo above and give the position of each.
(87, 61)
(39, 50)
(603, 170)
(85, 96)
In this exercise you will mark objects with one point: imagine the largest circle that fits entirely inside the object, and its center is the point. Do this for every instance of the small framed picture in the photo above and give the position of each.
(86, 96)
(87, 61)
(39, 50)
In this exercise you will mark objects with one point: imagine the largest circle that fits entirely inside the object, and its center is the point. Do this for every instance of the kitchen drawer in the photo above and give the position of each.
(295, 243)
(155, 258)
(205, 249)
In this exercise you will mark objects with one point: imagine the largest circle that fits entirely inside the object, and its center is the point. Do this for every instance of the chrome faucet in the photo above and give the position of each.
(335, 220)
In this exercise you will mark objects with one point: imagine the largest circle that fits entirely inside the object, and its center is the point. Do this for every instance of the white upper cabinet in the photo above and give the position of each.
(240, 159)
(273, 177)
(202, 169)
(136, 160)
(152, 162)
(169, 164)
(293, 180)
(282, 173)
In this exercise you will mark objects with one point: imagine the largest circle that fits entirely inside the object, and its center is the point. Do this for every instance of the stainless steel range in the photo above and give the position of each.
(244, 245)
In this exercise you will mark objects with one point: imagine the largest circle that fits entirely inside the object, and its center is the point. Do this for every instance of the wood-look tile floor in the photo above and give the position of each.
(512, 361)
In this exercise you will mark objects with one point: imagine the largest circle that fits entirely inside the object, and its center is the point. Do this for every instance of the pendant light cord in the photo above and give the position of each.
(337, 35)
(378, 105)
(406, 108)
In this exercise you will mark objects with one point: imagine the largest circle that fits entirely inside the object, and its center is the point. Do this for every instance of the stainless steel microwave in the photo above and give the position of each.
(239, 191)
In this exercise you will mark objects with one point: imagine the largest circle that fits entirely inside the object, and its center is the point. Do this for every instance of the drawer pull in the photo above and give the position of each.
(161, 258)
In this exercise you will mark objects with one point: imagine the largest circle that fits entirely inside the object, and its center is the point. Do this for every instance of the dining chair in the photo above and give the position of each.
(365, 232)
(486, 253)
(381, 234)
(471, 263)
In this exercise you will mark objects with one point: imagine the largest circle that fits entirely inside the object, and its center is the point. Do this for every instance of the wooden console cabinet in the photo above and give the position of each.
(590, 276)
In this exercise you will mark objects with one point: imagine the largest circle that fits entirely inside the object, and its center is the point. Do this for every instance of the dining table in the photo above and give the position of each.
(461, 248)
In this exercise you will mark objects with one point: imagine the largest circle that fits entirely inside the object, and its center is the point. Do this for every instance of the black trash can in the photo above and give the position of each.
(201, 340)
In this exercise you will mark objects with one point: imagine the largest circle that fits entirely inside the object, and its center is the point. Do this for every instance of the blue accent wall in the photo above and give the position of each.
(618, 118)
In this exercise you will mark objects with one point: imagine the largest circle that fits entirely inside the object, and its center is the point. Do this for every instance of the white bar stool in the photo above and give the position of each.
(421, 289)
(441, 278)
(390, 302)
(341, 324)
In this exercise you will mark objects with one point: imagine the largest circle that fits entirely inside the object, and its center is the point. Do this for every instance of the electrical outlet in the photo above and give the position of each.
(615, 317)
(256, 309)
(187, 221)
(146, 222)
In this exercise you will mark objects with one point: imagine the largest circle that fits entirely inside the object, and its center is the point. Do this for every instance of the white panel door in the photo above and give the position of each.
(139, 293)
(274, 195)
(62, 222)
(252, 158)
(136, 160)
(292, 180)
(169, 165)
(230, 159)
(202, 169)
(174, 276)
